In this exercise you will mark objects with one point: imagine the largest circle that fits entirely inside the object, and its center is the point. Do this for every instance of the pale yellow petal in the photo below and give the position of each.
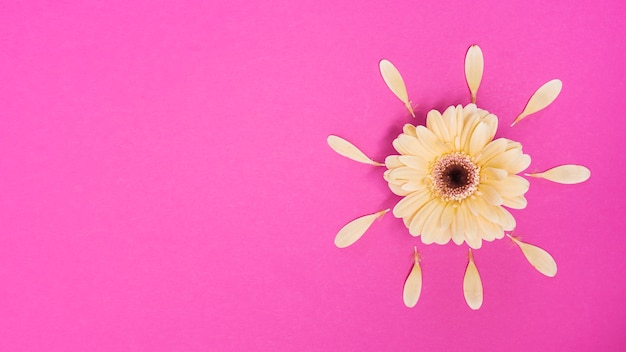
(394, 81)
(474, 65)
(432, 232)
(347, 149)
(450, 119)
(413, 284)
(505, 219)
(470, 227)
(479, 138)
(493, 149)
(538, 258)
(489, 194)
(472, 285)
(435, 123)
(565, 174)
(352, 231)
(543, 97)
(407, 145)
(491, 174)
(397, 189)
(430, 142)
(409, 129)
(512, 185)
(515, 202)
(411, 204)
(405, 174)
(414, 162)
(520, 164)
(421, 216)
(393, 161)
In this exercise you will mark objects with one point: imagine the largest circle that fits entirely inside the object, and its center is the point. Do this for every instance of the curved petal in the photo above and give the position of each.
(352, 231)
(413, 284)
(472, 285)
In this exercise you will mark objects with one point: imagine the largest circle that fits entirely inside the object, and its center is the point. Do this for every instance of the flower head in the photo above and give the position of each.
(456, 181)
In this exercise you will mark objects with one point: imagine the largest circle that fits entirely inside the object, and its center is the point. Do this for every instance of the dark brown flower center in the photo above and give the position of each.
(455, 176)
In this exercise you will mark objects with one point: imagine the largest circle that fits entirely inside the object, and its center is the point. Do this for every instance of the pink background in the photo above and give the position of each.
(166, 184)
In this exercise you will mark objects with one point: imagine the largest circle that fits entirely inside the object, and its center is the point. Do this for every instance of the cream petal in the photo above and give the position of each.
(490, 194)
(543, 97)
(394, 81)
(520, 165)
(409, 129)
(352, 231)
(505, 219)
(415, 162)
(408, 145)
(474, 65)
(480, 137)
(492, 173)
(507, 160)
(411, 204)
(516, 202)
(493, 149)
(397, 189)
(470, 124)
(432, 230)
(492, 122)
(421, 216)
(393, 161)
(472, 285)
(471, 229)
(347, 149)
(413, 284)
(405, 174)
(538, 258)
(450, 120)
(430, 141)
(435, 123)
(512, 185)
(565, 174)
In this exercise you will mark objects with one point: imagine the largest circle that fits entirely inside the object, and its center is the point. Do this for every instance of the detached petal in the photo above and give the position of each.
(543, 97)
(565, 174)
(394, 81)
(347, 149)
(472, 285)
(538, 258)
(413, 284)
(352, 231)
(474, 65)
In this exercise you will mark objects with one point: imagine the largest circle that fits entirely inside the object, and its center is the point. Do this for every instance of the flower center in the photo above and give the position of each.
(455, 176)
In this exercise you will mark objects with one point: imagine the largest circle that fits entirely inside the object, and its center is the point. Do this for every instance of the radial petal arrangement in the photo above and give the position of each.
(456, 181)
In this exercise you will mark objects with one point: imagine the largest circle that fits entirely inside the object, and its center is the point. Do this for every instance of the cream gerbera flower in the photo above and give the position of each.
(456, 180)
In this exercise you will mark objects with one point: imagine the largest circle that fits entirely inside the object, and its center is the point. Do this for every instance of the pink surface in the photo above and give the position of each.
(166, 183)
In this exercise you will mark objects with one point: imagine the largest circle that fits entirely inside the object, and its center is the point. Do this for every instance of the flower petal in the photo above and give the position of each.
(417, 224)
(543, 97)
(410, 204)
(565, 174)
(409, 129)
(472, 285)
(479, 138)
(353, 230)
(538, 258)
(413, 284)
(394, 81)
(347, 149)
(435, 123)
(393, 161)
(490, 194)
(474, 65)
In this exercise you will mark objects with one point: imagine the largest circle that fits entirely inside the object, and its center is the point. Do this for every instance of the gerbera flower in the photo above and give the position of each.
(456, 180)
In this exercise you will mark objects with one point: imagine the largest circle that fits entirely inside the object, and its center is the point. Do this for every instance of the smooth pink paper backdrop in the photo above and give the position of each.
(166, 184)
